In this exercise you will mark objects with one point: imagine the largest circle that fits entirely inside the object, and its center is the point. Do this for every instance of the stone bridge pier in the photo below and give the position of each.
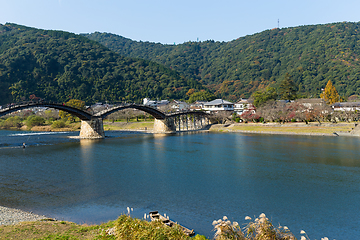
(164, 126)
(186, 122)
(92, 128)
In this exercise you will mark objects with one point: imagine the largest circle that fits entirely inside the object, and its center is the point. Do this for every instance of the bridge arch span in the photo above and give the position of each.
(92, 124)
(199, 113)
(74, 111)
(152, 111)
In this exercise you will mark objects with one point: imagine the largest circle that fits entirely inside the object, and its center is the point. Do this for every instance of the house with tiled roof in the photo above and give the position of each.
(218, 105)
(243, 105)
(346, 106)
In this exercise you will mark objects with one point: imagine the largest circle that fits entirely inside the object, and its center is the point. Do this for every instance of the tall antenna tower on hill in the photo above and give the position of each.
(278, 23)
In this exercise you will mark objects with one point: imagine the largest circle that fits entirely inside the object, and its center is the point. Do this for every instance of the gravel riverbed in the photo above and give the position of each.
(9, 216)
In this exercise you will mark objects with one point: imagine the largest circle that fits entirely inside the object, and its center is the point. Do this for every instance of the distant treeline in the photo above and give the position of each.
(58, 66)
(312, 55)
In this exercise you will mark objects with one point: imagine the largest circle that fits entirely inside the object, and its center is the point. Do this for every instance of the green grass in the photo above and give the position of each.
(127, 126)
(134, 229)
(124, 227)
(286, 128)
(55, 230)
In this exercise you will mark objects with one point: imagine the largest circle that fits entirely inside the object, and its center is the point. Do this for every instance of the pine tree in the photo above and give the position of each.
(330, 95)
(287, 88)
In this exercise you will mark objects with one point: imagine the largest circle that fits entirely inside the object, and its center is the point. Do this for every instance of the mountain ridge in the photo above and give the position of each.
(58, 65)
(311, 54)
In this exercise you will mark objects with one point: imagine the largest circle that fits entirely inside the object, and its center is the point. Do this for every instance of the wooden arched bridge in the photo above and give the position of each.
(92, 124)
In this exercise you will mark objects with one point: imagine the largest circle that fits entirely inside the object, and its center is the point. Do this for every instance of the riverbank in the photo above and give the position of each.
(75, 126)
(108, 126)
(312, 129)
(127, 227)
(128, 126)
(10, 216)
(17, 224)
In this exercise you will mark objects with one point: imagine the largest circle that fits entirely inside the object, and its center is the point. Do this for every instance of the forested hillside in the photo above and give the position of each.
(312, 55)
(57, 66)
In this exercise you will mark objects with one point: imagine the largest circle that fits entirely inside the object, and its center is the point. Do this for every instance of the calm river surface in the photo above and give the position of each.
(306, 183)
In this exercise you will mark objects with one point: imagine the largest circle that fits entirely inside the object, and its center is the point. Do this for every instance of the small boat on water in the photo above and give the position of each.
(155, 216)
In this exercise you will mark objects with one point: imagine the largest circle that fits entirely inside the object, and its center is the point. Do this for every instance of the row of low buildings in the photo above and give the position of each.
(218, 105)
(214, 106)
(239, 107)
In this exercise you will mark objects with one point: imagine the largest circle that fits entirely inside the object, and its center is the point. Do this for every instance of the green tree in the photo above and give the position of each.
(287, 88)
(262, 96)
(238, 68)
(201, 96)
(330, 95)
(11, 122)
(34, 120)
(72, 103)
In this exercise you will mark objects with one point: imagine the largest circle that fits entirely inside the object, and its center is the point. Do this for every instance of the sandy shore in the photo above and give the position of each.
(9, 216)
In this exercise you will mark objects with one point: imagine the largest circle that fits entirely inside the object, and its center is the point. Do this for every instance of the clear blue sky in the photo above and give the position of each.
(169, 21)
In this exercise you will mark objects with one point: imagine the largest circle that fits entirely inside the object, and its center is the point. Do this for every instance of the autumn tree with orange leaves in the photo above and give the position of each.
(330, 95)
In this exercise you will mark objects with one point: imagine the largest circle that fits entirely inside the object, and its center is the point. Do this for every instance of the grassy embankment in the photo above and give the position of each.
(131, 125)
(69, 127)
(40, 124)
(119, 125)
(54, 230)
(35, 123)
(126, 227)
(288, 128)
(108, 126)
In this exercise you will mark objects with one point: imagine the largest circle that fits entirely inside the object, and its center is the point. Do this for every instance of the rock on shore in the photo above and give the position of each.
(9, 216)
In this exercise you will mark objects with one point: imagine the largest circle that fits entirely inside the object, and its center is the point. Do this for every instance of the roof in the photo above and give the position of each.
(310, 100)
(218, 102)
(346, 104)
(179, 102)
(243, 100)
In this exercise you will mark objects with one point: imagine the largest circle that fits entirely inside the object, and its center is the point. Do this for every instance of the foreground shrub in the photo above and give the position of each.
(224, 229)
(12, 122)
(58, 124)
(260, 229)
(34, 120)
(132, 228)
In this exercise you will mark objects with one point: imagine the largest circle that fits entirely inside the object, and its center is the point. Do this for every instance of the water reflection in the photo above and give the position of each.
(194, 178)
(86, 147)
(87, 165)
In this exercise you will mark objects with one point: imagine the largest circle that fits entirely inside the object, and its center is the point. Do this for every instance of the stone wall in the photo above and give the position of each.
(92, 128)
(164, 126)
(188, 122)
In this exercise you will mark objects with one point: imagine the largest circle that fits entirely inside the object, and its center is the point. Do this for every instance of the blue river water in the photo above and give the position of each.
(302, 182)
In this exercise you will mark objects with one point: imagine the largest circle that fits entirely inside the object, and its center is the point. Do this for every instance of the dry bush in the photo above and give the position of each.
(260, 229)
(224, 229)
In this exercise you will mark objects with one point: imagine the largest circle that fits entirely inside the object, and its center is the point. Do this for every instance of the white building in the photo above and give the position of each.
(346, 106)
(311, 103)
(197, 106)
(149, 102)
(218, 105)
(155, 104)
(179, 106)
(242, 105)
